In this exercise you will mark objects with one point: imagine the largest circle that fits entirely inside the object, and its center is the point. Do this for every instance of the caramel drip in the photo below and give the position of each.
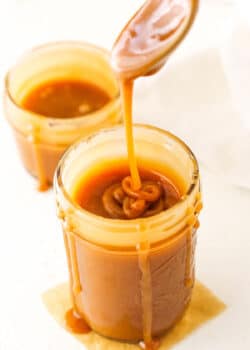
(121, 201)
(126, 87)
(198, 207)
(76, 323)
(189, 279)
(154, 345)
(70, 246)
(146, 290)
(40, 171)
(76, 280)
(191, 222)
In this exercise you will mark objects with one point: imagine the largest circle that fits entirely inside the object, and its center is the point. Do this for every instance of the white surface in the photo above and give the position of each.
(32, 257)
(193, 99)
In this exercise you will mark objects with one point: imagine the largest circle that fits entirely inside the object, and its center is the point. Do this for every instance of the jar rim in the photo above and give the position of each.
(53, 120)
(83, 213)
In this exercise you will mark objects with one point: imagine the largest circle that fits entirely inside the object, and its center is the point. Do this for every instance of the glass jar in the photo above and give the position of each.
(42, 140)
(131, 277)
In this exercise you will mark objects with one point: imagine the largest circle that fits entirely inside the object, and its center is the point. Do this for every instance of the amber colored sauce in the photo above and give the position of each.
(88, 194)
(89, 190)
(153, 345)
(126, 87)
(65, 99)
(60, 99)
(141, 49)
(75, 323)
(43, 184)
(69, 242)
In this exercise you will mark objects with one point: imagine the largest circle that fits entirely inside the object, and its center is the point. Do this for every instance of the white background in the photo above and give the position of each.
(32, 255)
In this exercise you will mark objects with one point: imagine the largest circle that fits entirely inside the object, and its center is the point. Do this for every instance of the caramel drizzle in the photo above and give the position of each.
(123, 202)
(146, 291)
(76, 323)
(126, 87)
(193, 224)
(74, 265)
(154, 345)
(189, 278)
(40, 171)
(70, 246)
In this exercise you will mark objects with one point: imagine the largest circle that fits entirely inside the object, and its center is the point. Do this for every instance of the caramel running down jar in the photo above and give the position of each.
(129, 277)
(42, 140)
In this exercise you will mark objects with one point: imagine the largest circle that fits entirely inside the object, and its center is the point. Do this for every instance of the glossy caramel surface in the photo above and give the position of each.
(90, 193)
(65, 99)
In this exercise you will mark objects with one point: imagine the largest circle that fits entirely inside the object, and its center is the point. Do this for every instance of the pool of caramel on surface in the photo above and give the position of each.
(89, 191)
(65, 99)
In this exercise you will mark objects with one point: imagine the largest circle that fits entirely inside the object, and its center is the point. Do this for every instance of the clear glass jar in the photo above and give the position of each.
(105, 256)
(42, 140)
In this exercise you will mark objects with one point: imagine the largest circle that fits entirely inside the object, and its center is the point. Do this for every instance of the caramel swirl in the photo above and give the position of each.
(121, 201)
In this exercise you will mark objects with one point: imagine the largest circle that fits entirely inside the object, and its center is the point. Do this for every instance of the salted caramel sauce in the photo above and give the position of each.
(189, 280)
(142, 49)
(87, 194)
(153, 345)
(59, 99)
(65, 99)
(71, 252)
(75, 323)
(43, 184)
(105, 192)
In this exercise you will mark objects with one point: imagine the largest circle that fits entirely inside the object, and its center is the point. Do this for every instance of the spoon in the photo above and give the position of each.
(151, 35)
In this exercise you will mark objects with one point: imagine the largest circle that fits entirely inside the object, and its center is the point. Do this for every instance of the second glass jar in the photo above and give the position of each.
(42, 140)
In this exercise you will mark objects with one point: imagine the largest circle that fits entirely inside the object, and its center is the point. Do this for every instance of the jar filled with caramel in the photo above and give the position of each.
(56, 94)
(131, 279)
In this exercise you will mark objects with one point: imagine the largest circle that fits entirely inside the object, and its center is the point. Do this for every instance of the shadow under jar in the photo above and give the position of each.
(42, 139)
(129, 277)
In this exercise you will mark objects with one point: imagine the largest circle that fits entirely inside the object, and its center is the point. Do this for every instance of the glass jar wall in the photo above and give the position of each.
(130, 277)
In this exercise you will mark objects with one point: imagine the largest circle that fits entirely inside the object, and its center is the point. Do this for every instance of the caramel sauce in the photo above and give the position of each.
(153, 345)
(69, 241)
(43, 184)
(65, 99)
(58, 99)
(189, 280)
(75, 323)
(91, 191)
(146, 290)
(126, 87)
